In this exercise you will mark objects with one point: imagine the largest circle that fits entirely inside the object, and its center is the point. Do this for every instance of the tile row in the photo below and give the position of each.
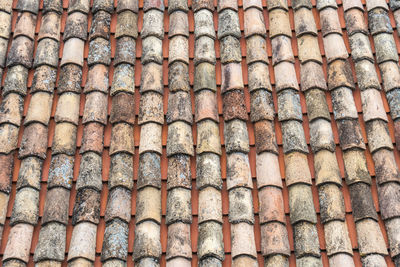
(297, 173)
(379, 141)
(372, 246)
(19, 61)
(210, 246)
(274, 236)
(239, 182)
(327, 174)
(5, 31)
(147, 243)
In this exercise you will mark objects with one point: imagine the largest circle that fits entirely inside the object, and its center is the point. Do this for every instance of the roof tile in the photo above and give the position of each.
(118, 205)
(179, 174)
(87, 207)
(44, 79)
(83, 241)
(317, 108)
(30, 173)
(115, 242)
(238, 171)
(178, 243)
(149, 173)
(34, 141)
(179, 107)
(282, 49)
(333, 207)
(210, 203)
(76, 26)
(121, 171)
(254, 24)
(304, 22)
(208, 171)
(25, 209)
(271, 205)
(355, 21)
(210, 242)
(64, 140)
(267, 168)
(56, 206)
(242, 236)
(90, 174)
(148, 205)
(122, 139)
(241, 205)
(265, 138)
(366, 75)
(203, 20)
(259, 77)
(274, 240)
(228, 24)
(204, 77)
(152, 138)
(11, 109)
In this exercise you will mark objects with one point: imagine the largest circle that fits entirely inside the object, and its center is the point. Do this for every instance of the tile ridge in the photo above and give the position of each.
(86, 212)
(327, 174)
(274, 236)
(370, 239)
(379, 141)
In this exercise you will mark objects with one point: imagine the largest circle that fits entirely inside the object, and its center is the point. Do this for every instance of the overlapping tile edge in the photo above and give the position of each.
(382, 149)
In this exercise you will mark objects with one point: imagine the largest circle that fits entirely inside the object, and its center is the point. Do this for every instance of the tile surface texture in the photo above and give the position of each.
(199, 133)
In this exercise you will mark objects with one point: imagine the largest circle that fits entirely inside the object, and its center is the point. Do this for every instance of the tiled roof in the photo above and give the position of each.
(199, 133)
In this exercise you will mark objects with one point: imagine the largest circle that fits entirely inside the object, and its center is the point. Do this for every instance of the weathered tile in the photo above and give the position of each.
(21, 52)
(393, 234)
(321, 136)
(30, 173)
(386, 169)
(373, 259)
(208, 171)
(34, 141)
(244, 260)
(236, 136)
(293, 137)
(61, 171)
(127, 25)
(80, 262)
(178, 50)
(76, 26)
(92, 139)
(334, 47)
(180, 140)
(378, 136)
(8, 137)
(355, 21)
(4, 198)
(204, 77)
(306, 241)
(64, 140)
(350, 134)
(258, 77)
(210, 242)
(370, 238)
(285, 76)
(289, 106)
(26, 207)
(44, 79)
(100, 26)
(151, 108)
(153, 4)
(227, 4)
(241, 205)
(122, 139)
(121, 171)
(274, 240)
(309, 49)
(267, 168)
(388, 200)
(68, 108)
(301, 205)
(123, 80)
(208, 137)
(129, 5)
(52, 6)
(3, 52)
(254, 23)
(228, 24)
(206, 106)
(337, 238)
(204, 25)
(70, 79)
(19, 243)
(95, 108)
(122, 108)
(277, 4)
(204, 50)
(234, 105)
(360, 47)
(379, 22)
(39, 108)
(177, 5)
(330, 22)
(231, 77)
(265, 139)
(282, 49)
(149, 173)
(148, 205)
(90, 174)
(252, 4)
(115, 243)
(385, 48)
(198, 5)
(103, 5)
(210, 205)
(298, 4)
(242, 238)
(356, 167)
(179, 174)
(150, 134)
(343, 104)
(11, 109)
(6, 6)
(178, 206)
(341, 259)
(112, 262)
(71, 52)
(125, 51)
(87, 207)
(393, 98)
(178, 23)
(178, 76)
(340, 74)
(326, 4)
(262, 106)
(238, 171)
(179, 107)
(56, 206)
(5, 25)
(178, 243)
(332, 203)
(296, 169)
(26, 25)
(6, 172)
(118, 205)
(271, 205)
(317, 106)
(279, 23)
(366, 75)
(304, 22)
(99, 52)
(209, 261)
(256, 47)
(83, 242)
